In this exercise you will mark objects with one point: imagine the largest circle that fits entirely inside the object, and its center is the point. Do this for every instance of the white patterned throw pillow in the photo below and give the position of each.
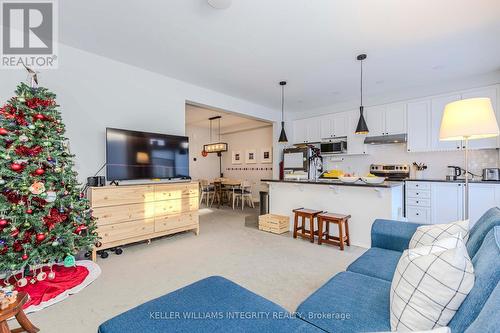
(428, 234)
(430, 284)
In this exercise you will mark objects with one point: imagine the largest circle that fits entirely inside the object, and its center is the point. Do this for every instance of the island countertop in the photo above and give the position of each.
(323, 181)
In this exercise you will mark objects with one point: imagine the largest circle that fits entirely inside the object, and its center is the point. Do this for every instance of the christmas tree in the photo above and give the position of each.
(44, 217)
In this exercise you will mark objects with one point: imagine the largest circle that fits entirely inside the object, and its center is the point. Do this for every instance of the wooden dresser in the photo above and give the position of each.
(132, 213)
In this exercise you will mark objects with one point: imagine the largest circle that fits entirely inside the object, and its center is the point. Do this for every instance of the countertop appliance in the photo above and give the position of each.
(334, 146)
(454, 172)
(296, 163)
(391, 171)
(491, 174)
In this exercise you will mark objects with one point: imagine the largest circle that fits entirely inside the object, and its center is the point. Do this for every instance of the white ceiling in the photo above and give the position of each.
(248, 48)
(229, 123)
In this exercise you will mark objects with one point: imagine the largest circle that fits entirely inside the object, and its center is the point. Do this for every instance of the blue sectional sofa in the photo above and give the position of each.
(353, 301)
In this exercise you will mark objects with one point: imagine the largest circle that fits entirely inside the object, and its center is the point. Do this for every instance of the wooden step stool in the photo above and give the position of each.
(342, 221)
(304, 214)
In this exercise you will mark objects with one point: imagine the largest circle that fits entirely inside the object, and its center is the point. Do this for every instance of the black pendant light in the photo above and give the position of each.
(283, 138)
(362, 128)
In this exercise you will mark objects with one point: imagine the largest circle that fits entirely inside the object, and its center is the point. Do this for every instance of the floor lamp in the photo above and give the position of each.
(465, 120)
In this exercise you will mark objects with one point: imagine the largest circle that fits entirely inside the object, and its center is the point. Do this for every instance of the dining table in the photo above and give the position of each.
(229, 185)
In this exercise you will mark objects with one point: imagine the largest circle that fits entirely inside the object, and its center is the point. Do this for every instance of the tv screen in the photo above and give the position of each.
(140, 155)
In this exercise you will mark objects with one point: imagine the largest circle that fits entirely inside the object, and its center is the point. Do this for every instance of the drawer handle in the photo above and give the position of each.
(417, 193)
(418, 201)
(418, 213)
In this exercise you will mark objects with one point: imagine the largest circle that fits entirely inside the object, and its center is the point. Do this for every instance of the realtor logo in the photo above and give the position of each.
(29, 34)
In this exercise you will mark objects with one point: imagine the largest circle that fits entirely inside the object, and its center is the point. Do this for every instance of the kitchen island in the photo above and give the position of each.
(364, 202)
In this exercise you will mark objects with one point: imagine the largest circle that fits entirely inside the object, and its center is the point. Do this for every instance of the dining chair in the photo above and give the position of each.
(244, 192)
(217, 194)
(206, 190)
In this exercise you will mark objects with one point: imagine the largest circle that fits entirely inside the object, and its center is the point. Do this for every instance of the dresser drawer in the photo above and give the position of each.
(176, 221)
(169, 191)
(122, 231)
(123, 213)
(418, 185)
(120, 195)
(420, 202)
(176, 206)
(418, 214)
(418, 194)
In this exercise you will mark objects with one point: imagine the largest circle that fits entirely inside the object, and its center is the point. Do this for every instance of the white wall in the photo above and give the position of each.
(96, 92)
(241, 141)
(437, 162)
(204, 167)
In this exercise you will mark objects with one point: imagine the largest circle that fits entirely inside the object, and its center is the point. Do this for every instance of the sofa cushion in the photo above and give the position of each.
(376, 262)
(392, 235)
(349, 302)
(430, 284)
(428, 234)
(488, 320)
(488, 221)
(487, 270)
(214, 304)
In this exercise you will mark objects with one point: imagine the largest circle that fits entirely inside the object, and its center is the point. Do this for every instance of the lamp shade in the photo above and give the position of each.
(472, 118)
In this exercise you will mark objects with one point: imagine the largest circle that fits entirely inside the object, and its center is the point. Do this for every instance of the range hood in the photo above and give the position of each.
(385, 139)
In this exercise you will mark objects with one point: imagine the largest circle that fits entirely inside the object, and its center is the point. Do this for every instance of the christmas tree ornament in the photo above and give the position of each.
(39, 116)
(51, 196)
(41, 276)
(4, 250)
(40, 237)
(55, 243)
(69, 261)
(37, 188)
(23, 138)
(25, 257)
(14, 232)
(16, 167)
(2, 181)
(3, 223)
(3, 131)
(26, 224)
(52, 274)
(29, 211)
(31, 127)
(39, 171)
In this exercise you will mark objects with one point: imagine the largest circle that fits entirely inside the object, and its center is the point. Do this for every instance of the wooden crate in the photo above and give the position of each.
(274, 223)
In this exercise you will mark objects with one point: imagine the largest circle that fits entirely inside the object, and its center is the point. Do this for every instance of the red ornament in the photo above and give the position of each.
(4, 250)
(14, 232)
(40, 237)
(16, 167)
(3, 223)
(3, 131)
(17, 246)
(39, 116)
(29, 211)
(39, 171)
(25, 257)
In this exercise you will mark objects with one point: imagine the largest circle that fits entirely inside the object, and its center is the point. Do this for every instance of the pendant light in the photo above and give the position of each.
(283, 138)
(362, 128)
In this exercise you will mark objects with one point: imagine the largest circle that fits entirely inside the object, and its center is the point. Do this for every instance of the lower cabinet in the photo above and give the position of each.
(443, 202)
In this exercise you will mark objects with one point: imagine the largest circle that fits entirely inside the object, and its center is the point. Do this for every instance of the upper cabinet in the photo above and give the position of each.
(419, 122)
(437, 108)
(424, 122)
(490, 92)
(307, 130)
(334, 125)
(386, 119)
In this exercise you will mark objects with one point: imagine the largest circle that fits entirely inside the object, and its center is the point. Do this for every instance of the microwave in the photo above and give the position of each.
(334, 147)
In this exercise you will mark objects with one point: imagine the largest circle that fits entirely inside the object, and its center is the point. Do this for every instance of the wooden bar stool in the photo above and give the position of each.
(16, 309)
(342, 221)
(304, 214)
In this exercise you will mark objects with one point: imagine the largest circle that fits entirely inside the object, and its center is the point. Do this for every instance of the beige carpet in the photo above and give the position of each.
(280, 268)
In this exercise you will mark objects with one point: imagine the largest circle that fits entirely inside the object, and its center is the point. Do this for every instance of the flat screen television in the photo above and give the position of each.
(132, 155)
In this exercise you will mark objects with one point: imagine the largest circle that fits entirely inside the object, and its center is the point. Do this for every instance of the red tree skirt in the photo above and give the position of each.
(67, 281)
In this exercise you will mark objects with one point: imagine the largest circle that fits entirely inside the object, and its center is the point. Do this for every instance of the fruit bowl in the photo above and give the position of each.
(347, 179)
(373, 180)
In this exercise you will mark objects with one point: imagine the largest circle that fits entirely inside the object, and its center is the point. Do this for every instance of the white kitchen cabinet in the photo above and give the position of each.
(375, 119)
(386, 119)
(437, 106)
(307, 130)
(482, 196)
(334, 125)
(419, 121)
(355, 142)
(395, 119)
(490, 92)
(446, 202)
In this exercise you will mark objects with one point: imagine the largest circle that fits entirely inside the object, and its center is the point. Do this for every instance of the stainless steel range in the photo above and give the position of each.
(391, 171)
